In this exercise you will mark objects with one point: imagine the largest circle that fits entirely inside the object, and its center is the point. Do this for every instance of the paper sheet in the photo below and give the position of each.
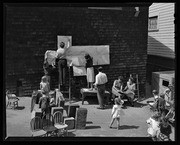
(79, 71)
(66, 39)
(99, 53)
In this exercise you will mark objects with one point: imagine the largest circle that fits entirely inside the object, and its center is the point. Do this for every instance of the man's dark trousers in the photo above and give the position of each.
(100, 94)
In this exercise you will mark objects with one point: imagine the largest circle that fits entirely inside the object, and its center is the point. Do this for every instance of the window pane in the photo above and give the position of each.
(152, 25)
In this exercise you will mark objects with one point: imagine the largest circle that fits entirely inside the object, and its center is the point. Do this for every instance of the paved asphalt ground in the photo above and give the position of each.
(133, 123)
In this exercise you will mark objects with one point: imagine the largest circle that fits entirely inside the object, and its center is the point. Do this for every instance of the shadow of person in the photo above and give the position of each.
(89, 122)
(124, 107)
(92, 101)
(128, 127)
(139, 105)
(109, 106)
(19, 108)
(92, 127)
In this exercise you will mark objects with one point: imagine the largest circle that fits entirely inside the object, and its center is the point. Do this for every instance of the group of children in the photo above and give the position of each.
(163, 128)
(159, 127)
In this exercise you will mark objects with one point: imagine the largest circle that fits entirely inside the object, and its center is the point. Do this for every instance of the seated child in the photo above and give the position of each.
(52, 103)
(153, 125)
(165, 130)
(155, 103)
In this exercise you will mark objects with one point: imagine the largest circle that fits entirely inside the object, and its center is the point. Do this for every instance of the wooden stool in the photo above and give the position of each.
(72, 110)
(38, 113)
(70, 121)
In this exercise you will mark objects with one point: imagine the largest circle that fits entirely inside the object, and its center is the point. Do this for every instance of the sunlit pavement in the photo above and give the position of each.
(133, 123)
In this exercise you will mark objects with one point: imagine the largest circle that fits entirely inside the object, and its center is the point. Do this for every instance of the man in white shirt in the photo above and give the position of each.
(101, 80)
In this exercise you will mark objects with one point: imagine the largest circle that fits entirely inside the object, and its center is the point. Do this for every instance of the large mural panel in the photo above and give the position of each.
(75, 54)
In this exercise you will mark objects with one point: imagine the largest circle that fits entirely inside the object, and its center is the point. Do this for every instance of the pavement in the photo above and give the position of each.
(133, 123)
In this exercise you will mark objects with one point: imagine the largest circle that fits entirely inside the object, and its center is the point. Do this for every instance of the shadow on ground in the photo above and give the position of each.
(149, 102)
(71, 134)
(128, 127)
(139, 105)
(20, 108)
(89, 122)
(92, 127)
(17, 108)
(91, 101)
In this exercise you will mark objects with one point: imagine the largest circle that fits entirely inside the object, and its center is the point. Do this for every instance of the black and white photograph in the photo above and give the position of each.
(89, 71)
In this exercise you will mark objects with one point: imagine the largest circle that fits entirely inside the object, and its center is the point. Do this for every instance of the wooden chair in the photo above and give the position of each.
(36, 127)
(12, 100)
(137, 87)
(171, 116)
(58, 123)
(48, 125)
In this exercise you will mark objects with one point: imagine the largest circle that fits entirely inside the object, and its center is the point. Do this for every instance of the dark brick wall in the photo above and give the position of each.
(31, 31)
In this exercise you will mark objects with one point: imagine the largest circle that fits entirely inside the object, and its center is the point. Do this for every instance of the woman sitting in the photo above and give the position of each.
(117, 87)
(129, 90)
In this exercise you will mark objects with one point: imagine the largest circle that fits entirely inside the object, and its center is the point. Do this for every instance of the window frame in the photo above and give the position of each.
(151, 17)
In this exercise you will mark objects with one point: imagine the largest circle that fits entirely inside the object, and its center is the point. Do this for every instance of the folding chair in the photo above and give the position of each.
(48, 125)
(12, 100)
(36, 127)
(171, 116)
(58, 123)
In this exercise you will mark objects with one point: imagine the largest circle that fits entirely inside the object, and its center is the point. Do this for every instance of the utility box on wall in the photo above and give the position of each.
(161, 80)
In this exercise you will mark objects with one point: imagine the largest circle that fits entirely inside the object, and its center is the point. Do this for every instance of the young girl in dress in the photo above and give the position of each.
(44, 86)
(117, 112)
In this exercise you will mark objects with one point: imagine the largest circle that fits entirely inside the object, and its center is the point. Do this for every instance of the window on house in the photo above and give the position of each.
(153, 23)
(165, 83)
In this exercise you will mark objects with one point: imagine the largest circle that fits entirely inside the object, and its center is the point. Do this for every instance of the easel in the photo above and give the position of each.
(70, 67)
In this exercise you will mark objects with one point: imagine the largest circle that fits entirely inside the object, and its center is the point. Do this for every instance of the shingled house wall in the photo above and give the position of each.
(30, 31)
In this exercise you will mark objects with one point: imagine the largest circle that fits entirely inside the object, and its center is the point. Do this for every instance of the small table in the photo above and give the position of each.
(87, 92)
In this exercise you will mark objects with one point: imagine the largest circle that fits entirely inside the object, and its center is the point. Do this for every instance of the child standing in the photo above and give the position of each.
(44, 85)
(117, 112)
(44, 104)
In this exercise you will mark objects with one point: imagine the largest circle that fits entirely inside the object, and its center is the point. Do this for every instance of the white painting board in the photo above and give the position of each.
(79, 71)
(99, 53)
(75, 55)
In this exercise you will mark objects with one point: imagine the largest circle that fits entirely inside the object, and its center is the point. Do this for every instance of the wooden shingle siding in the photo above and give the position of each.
(161, 42)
